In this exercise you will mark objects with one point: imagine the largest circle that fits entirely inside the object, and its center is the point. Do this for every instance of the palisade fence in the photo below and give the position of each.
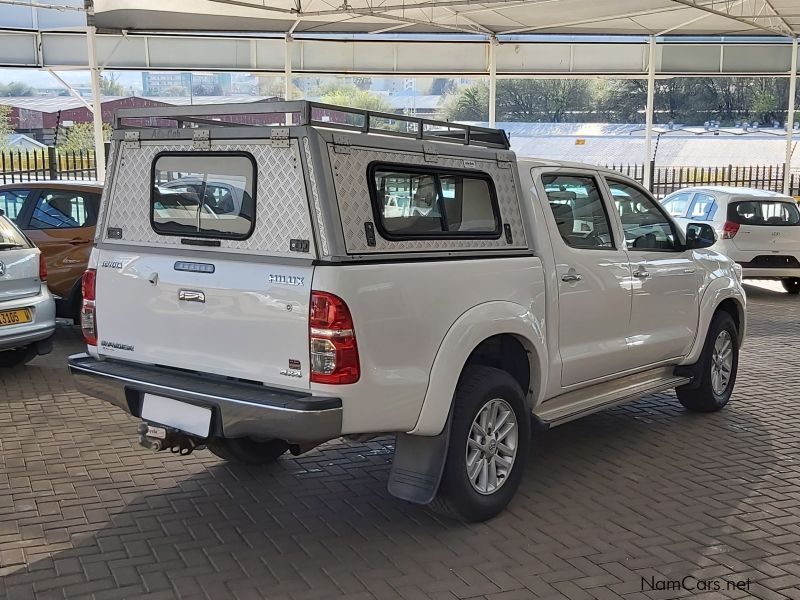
(669, 179)
(50, 163)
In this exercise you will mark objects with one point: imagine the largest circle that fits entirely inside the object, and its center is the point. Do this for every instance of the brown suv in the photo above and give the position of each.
(59, 217)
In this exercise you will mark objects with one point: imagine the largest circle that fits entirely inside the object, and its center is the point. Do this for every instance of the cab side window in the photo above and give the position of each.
(703, 207)
(11, 202)
(676, 204)
(61, 210)
(644, 223)
(579, 212)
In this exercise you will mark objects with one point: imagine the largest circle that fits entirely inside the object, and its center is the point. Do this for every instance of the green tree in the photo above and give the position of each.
(110, 85)
(5, 126)
(16, 88)
(470, 103)
(356, 98)
(80, 136)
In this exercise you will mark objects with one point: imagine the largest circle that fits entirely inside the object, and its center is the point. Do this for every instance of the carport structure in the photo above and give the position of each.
(648, 39)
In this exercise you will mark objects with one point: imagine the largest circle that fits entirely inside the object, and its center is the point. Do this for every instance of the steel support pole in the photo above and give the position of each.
(649, 110)
(287, 68)
(492, 82)
(787, 164)
(97, 103)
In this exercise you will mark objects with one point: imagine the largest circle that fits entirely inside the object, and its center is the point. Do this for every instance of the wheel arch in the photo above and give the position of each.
(483, 335)
(723, 294)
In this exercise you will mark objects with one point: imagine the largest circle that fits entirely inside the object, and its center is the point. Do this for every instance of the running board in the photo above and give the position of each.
(572, 405)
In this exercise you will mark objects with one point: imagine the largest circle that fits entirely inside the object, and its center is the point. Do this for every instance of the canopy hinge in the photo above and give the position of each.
(201, 139)
(131, 140)
(431, 154)
(279, 137)
(341, 144)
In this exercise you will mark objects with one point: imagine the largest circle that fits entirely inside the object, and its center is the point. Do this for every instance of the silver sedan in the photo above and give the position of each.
(27, 309)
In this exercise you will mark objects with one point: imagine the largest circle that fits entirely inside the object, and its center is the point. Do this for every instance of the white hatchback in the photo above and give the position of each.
(758, 229)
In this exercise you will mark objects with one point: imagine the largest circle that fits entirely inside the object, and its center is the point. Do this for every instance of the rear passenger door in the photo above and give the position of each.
(665, 282)
(61, 222)
(593, 277)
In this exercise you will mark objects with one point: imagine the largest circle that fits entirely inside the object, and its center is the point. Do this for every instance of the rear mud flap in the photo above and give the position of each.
(418, 465)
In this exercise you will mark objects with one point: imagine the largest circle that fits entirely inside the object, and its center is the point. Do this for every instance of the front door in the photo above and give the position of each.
(61, 223)
(593, 273)
(664, 279)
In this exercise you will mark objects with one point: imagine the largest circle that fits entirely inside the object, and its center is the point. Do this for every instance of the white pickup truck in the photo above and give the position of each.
(258, 287)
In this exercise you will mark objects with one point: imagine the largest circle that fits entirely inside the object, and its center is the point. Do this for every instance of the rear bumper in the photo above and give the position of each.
(238, 409)
(40, 328)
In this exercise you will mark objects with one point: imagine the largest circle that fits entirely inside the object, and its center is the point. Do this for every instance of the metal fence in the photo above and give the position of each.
(668, 179)
(52, 163)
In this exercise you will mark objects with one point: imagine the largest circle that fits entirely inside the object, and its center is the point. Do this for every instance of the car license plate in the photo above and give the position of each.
(15, 317)
(174, 413)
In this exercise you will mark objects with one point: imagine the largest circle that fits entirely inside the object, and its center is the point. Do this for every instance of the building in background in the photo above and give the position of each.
(168, 83)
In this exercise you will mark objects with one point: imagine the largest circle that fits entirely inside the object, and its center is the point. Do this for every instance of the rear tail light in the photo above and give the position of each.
(729, 230)
(88, 320)
(332, 340)
(42, 268)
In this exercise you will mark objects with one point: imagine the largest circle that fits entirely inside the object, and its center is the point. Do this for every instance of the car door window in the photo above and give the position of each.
(644, 222)
(579, 211)
(703, 207)
(11, 202)
(676, 204)
(61, 210)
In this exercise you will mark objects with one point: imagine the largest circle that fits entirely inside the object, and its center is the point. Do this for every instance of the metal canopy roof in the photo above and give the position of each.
(489, 17)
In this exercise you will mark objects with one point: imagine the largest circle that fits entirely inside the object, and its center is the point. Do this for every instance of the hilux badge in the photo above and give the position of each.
(285, 279)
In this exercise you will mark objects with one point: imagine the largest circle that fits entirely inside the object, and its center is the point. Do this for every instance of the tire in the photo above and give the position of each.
(479, 390)
(792, 286)
(17, 356)
(711, 393)
(247, 451)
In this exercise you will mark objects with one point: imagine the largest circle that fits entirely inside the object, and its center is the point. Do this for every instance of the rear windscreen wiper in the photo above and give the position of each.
(9, 245)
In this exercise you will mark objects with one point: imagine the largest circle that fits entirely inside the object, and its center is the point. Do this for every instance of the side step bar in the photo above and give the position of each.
(573, 405)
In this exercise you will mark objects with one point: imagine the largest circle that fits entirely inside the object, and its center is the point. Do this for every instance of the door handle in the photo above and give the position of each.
(570, 277)
(76, 241)
(641, 274)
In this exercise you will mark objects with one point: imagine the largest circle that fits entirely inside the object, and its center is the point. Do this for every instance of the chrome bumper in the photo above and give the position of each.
(238, 409)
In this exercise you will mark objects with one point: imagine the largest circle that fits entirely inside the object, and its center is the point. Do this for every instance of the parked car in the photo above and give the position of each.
(758, 229)
(313, 310)
(59, 217)
(27, 310)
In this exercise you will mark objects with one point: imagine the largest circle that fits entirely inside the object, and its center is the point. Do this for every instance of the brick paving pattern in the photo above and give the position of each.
(637, 495)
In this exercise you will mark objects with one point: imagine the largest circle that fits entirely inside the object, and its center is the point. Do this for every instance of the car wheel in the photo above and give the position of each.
(488, 448)
(247, 450)
(17, 356)
(792, 286)
(716, 368)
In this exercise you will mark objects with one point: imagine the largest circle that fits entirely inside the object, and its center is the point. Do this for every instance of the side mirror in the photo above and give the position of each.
(700, 235)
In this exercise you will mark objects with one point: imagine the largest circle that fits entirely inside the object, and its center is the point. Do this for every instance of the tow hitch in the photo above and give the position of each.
(158, 437)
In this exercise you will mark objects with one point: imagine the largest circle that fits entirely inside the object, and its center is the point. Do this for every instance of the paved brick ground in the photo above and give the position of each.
(637, 495)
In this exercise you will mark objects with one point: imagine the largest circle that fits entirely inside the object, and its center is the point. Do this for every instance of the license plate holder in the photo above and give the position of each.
(16, 316)
(183, 416)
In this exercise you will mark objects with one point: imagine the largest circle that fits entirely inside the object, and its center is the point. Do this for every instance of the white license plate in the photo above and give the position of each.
(180, 415)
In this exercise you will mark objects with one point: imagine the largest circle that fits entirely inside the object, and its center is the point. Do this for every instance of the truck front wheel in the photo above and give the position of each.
(792, 286)
(488, 447)
(247, 450)
(716, 368)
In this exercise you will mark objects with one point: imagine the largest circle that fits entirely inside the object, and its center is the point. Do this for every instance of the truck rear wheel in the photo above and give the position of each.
(716, 368)
(247, 451)
(792, 286)
(488, 447)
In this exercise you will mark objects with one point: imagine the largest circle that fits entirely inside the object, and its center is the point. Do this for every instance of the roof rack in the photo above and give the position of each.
(315, 114)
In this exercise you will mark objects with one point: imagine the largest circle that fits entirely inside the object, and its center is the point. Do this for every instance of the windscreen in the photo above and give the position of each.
(764, 212)
(10, 236)
(206, 194)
